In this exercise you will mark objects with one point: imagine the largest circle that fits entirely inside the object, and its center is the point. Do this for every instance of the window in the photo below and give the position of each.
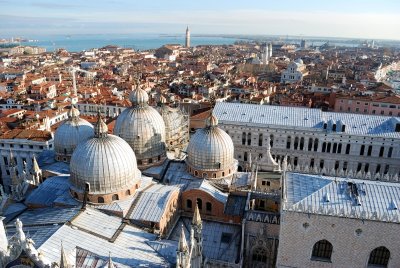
(379, 257)
(115, 197)
(301, 143)
(381, 151)
(366, 167)
(249, 139)
(347, 148)
(199, 203)
(245, 156)
(260, 139)
(378, 168)
(369, 150)
(362, 149)
(189, 204)
(315, 145)
(322, 251)
(359, 167)
(310, 144)
(339, 149)
(324, 147)
(244, 138)
(288, 141)
(390, 152)
(312, 163)
(208, 206)
(100, 200)
(296, 143)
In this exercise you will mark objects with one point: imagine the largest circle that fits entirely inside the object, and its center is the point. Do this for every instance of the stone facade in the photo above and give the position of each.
(318, 150)
(352, 240)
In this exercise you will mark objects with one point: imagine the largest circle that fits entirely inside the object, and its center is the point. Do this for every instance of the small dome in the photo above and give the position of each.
(138, 97)
(143, 128)
(211, 152)
(72, 132)
(212, 121)
(107, 163)
(299, 61)
(73, 112)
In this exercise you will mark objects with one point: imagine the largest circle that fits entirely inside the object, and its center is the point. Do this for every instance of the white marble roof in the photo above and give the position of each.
(298, 117)
(323, 195)
(151, 203)
(130, 247)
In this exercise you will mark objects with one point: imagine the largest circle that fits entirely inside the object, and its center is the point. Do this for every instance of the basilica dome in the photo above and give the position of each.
(72, 132)
(210, 153)
(107, 164)
(143, 128)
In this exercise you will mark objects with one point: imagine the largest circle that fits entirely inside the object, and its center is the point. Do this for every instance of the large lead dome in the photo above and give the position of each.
(107, 164)
(143, 128)
(72, 132)
(211, 152)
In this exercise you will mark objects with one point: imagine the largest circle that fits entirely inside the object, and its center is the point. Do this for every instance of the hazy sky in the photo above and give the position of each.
(336, 18)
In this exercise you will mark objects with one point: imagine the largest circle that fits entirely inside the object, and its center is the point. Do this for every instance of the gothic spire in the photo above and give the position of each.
(182, 245)
(63, 259)
(35, 166)
(196, 216)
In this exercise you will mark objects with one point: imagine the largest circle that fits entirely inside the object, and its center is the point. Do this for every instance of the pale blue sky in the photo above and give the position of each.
(336, 18)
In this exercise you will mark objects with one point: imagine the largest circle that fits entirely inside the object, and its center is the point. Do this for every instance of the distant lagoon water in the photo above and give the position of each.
(76, 43)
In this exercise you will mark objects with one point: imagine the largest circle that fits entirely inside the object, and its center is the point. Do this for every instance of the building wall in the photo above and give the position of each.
(217, 207)
(349, 249)
(23, 151)
(366, 107)
(385, 152)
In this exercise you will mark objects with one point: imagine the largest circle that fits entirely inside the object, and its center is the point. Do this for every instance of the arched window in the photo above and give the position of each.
(196, 173)
(100, 199)
(199, 203)
(259, 255)
(315, 145)
(249, 138)
(128, 192)
(348, 148)
(260, 139)
(362, 149)
(322, 250)
(189, 204)
(288, 141)
(310, 144)
(324, 147)
(115, 197)
(379, 257)
(296, 142)
(302, 143)
(271, 140)
(208, 207)
(214, 175)
(244, 138)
